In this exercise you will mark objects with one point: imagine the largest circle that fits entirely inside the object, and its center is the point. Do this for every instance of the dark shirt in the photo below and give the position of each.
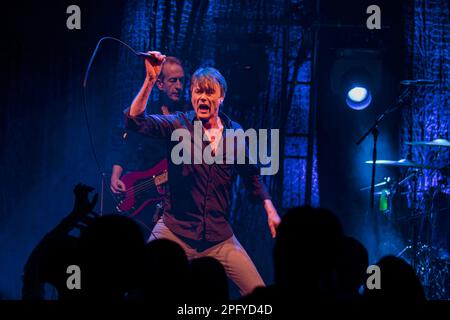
(136, 152)
(200, 193)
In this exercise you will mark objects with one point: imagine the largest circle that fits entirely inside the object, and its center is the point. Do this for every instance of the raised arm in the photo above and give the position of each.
(135, 118)
(153, 66)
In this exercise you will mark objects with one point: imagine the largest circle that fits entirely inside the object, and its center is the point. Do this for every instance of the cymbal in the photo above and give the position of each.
(404, 163)
(433, 143)
(399, 163)
(375, 186)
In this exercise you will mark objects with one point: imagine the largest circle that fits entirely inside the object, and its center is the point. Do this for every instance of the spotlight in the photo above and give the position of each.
(356, 86)
(355, 77)
(358, 98)
(357, 94)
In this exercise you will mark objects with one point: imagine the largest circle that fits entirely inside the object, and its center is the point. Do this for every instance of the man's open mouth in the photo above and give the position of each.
(203, 107)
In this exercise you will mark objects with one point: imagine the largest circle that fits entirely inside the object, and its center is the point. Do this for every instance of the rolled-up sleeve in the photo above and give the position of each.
(160, 126)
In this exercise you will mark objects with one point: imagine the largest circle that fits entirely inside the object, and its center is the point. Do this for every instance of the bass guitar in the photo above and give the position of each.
(142, 188)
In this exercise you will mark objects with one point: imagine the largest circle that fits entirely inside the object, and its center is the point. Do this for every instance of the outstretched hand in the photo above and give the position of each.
(81, 208)
(82, 203)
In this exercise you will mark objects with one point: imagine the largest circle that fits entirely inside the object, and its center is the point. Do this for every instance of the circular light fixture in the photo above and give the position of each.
(357, 94)
(358, 98)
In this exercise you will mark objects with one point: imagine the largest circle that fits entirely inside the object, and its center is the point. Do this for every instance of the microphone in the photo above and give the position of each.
(145, 55)
(418, 82)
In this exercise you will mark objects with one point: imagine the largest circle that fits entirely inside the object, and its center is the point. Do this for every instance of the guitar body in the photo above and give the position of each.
(143, 188)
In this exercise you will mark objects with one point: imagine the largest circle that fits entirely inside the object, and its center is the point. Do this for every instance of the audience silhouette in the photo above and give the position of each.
(165, 271)
(313, 262)
(112, 255)
(57, 250)
(306, 254)
(208, 281)
(399, 283)
(351, 269)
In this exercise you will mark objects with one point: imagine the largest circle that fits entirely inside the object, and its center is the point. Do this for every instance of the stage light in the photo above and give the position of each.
(357, 94)
(355, 77)
(358, 98)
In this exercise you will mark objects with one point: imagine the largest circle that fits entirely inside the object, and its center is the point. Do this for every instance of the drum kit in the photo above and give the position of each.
(422, 215)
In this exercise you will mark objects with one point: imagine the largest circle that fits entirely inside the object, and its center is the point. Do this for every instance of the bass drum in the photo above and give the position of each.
(403, 216)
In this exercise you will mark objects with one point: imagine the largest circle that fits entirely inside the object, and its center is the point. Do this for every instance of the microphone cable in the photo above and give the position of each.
(86, 117)
(85, 79)
(88, 126)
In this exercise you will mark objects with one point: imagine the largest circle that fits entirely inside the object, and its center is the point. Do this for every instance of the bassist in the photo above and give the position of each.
(136, 153)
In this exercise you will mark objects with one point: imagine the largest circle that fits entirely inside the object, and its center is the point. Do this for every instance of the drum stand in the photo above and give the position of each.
(414, 233)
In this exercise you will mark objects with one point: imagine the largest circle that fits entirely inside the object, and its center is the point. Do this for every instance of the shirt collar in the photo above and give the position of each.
(226, 121)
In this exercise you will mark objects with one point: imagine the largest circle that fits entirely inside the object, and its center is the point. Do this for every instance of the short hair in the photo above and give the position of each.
(205, 77)
(169, 60)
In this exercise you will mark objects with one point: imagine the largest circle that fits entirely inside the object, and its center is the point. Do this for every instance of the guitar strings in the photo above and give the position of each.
(141, 186)
(139, 190)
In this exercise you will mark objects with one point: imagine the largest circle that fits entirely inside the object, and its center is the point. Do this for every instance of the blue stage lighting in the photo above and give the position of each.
(358, 98)
(357, 94)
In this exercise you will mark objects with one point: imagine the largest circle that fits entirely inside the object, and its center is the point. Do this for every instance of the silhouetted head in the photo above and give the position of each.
(352, 266)
(47, 264)
(112, 251)
(208, 281)
(165, 265)
(307, 247)
(57, 260)
(398, 282)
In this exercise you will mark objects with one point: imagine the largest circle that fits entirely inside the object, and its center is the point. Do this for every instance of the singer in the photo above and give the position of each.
(196, 215)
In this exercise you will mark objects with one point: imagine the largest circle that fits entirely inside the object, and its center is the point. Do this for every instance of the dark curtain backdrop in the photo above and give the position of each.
(427, 117)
